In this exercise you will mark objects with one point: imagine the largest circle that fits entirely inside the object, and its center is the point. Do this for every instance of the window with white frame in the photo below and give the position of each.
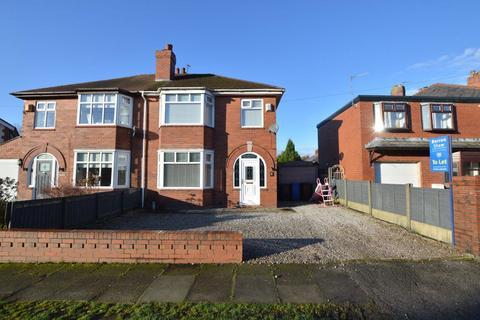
(187, 169)
(96, 168)
(251, 113)
(437, 116)
(105, 109)
(196, 108)
(391, 115)
(45, 115)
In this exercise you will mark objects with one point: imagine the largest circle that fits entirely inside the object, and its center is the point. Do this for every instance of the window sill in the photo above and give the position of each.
(44, 129)
(441, 130)
(184, 188)
(185, 125)
(101, 126)
(252, 127)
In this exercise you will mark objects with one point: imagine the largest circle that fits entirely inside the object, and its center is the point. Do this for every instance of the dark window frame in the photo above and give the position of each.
(442, 110)
(396, 108)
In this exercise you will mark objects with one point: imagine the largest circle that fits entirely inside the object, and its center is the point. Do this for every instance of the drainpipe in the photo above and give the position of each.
(144, 146)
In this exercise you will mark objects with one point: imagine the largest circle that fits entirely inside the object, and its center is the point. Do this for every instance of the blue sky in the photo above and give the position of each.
(312, 48)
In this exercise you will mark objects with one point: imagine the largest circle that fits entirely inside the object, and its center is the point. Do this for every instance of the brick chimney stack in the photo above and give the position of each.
(473, 79)
(398, 90)
(165, 63)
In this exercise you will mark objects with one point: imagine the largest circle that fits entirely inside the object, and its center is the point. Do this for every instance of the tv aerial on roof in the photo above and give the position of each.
(273, 128)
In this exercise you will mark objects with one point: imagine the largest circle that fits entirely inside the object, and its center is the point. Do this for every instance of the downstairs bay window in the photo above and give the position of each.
(188, 108)
(102, 168)
(185, 169)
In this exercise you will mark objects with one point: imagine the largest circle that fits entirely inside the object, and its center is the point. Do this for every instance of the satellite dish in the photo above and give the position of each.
(273, 128)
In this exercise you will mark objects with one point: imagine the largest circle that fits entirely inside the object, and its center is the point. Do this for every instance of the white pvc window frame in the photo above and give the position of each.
(204, 95)
(247, 104)
(114, 178)
(203, 158)
(45, 110)
(116, 107)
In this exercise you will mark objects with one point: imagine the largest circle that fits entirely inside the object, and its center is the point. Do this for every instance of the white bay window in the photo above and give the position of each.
(104, 109)
(188, 108)
(102, 168)
(185, 169)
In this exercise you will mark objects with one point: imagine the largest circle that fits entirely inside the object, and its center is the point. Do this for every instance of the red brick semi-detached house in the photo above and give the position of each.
(185, 139)
(384, 138)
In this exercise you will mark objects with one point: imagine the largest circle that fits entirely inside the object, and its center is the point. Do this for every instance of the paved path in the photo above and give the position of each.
(307, 234)
(435, 289)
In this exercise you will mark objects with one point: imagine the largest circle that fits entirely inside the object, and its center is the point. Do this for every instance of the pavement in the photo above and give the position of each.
(302, 234)
(441, 289)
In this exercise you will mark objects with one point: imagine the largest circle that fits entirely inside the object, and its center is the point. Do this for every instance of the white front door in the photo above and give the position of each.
(249, 182)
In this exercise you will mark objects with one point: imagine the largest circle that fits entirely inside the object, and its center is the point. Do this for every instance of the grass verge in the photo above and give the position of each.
(93, 310)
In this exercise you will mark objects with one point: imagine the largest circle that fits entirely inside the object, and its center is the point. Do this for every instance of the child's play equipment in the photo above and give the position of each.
(324, 192)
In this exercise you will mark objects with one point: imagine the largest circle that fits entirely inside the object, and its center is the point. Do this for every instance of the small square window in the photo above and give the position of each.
(246, 103)
(194, 156)
(183, 97)
(171, 97)
(95, 156)
(82, 156)
(182, 157)
(195, 97)
(169, 157)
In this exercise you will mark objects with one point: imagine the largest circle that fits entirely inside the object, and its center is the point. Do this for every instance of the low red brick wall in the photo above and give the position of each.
(120, 246)
(466, 202)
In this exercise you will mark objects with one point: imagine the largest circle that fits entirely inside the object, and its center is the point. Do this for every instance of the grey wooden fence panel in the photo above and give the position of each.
(358, 191)
(431, 206)
(389, 197)
(48, 214)
(340, 186)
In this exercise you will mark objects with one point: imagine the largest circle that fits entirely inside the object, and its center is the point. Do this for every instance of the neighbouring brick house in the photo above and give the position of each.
(7, 131)
(185, 139)
(384, 138)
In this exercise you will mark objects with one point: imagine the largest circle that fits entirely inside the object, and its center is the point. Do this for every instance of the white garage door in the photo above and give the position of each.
(397, 173)
(9, 168)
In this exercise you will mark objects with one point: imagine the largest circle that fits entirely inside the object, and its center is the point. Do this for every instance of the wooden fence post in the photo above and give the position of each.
(64, 211)
(96, 206)
(408, 205)
(346, 192)
(369, 197)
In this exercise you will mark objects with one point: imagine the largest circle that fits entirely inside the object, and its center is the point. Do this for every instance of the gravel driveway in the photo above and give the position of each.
(306, 234)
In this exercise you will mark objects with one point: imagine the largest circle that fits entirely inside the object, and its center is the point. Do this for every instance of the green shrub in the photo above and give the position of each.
(8, 189)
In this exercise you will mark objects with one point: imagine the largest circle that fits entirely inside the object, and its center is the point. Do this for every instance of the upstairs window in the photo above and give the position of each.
(251, 113)
(188, 109)
(105, 109)
(390, 116)
(45, 115)
(436, 116)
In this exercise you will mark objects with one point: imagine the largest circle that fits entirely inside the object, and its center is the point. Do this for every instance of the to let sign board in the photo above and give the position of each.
(440, 154)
